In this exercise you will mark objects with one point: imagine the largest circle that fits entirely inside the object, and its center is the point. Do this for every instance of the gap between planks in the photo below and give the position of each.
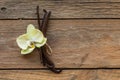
(65, 19)
(60, 68)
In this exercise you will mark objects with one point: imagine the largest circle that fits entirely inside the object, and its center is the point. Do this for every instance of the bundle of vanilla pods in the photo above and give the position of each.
(43, 51)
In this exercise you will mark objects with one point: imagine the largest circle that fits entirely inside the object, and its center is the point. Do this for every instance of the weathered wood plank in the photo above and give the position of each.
(108, 75)
(75, 44)
(15, 9)
(45, 75)
(65, 75)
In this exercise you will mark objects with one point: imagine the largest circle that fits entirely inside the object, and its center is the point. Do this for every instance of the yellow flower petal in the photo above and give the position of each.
(30, 27)
(22, 41)
(35, 35)
(28, 50)
(42, 43)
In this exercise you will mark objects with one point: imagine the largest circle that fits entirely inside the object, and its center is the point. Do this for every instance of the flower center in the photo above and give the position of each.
(31, 44)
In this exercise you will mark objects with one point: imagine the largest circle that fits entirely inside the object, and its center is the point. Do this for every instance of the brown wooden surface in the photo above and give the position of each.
(66, 75)
(25, 9)
(82, 33)
(74, 44)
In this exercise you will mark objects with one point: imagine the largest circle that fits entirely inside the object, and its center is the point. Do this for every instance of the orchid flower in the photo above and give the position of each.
(33, 38)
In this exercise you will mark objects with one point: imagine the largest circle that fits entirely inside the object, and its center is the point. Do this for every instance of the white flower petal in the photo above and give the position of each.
(30, 27)
(28, 50)
(35, 35)
(22, 41)
(42, 43)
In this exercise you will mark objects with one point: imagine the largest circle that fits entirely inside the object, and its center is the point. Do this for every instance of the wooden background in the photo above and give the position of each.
(84, 36)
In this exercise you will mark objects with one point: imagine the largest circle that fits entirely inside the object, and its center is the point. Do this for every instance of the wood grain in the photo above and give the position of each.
(45, 75)
(25, 9)
(65, 75)
(75, 44)
(108, 75)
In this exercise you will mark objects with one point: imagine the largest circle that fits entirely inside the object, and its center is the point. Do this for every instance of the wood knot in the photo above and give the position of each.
(3, 8)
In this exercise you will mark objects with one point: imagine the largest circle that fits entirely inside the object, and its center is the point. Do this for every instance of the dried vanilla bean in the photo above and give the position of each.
(40, 28)
(46, 61)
